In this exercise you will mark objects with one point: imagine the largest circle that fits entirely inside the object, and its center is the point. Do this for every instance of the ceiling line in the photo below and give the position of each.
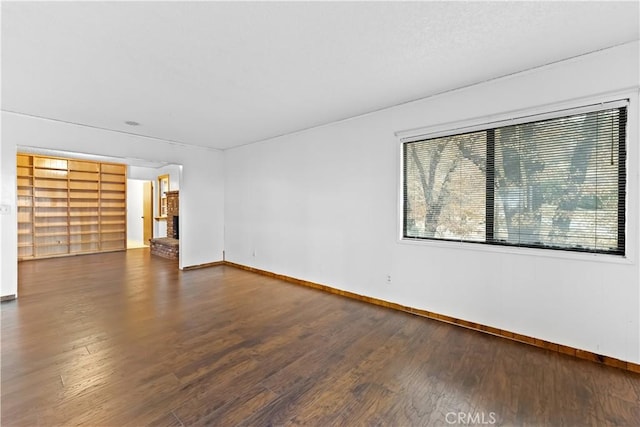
(166, 141)
(361, 115)
(438, 94)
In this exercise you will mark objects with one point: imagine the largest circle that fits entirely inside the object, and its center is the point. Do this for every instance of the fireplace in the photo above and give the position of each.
(176, 227)
(172, 214)
(169, 247)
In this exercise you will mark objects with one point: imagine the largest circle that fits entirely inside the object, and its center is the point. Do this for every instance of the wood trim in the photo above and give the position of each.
(536, 342)
(209, 264)
(105, 251)
(7, 298)
(162, 193)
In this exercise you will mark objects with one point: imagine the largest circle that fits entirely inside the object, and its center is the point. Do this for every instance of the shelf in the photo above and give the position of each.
(51, 204)
(84, 176)
(112, 178)
(111, 222)
(25, 203)
(110, 240)
(113, 168)
(24, 160)
(51, 224)
(51, 234)
(43, 180)
(84, 208)
(84, 251)
(82, 214)
(75, 196)
(54, 206)
(52, 215)
(112, 187)
(60, 185)
(51, 174)
(84, 242)
(49, 245)
(83, 185)
(51, 196)
(50, 163)
(112, 192)
(84, 223)
(67, 206)
(76, 165)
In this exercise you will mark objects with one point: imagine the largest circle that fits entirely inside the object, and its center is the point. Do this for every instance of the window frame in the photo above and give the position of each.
(552, 111)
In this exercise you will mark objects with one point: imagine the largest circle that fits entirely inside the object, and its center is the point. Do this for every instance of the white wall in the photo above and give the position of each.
(135, 212)
(322, 205)
(8, 222)
(201, 183)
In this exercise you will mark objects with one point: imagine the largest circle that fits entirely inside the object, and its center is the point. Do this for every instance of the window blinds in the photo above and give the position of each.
(555, 183)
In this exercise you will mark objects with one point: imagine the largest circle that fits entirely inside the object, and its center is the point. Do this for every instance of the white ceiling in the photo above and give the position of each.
(221, 74)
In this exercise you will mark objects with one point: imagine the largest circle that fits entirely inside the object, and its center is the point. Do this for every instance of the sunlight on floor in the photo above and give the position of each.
(133, 244)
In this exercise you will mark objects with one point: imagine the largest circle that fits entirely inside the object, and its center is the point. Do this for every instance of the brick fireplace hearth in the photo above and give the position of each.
(172, 211)
(169, 247)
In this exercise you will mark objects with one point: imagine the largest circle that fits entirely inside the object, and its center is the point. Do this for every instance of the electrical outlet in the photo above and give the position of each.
(388, 278)
(254, 253)
(5, 209)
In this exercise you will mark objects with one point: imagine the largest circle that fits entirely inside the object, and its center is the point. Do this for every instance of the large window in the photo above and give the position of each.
(555, 183)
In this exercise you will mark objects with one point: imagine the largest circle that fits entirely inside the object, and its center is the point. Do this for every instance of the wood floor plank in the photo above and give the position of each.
(166, 420)
(236, 410)
(126, 339)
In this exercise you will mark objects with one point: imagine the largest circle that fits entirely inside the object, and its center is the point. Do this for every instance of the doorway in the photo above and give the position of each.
(147, 211)
(139, 213)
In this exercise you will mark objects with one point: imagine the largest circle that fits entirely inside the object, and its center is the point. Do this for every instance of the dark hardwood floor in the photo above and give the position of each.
(127, 339)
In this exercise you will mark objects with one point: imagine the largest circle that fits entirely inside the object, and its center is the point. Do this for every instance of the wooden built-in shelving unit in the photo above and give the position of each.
(69, 207)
